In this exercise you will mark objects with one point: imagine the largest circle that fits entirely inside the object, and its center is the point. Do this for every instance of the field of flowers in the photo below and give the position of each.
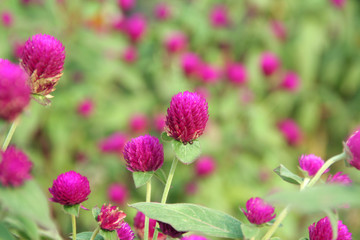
(230, 108)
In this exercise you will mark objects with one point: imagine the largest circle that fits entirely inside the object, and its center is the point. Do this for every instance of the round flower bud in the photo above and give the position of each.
(219, 16)
(85, 108)
(176, 42)
(118, 193)
(114, 143)
(322, 230)
(139, 225)
(135, 27)
(279, 30)
(15, 167)
(186, 117)
(190, 63)
(291, 131)
(339, 178)
(70, 188)
(208, 74)
(14, 91)
(311, 164)
(7, 19)
(138, 123)
(144, 154)
(162, 11)
(236, 73)
(130, 55)
(269, 63)
(168, 230)
(205, 166)
(125, 232)
(258, 212)
(290, 82)
(353, 144)
(43, 59)
(110, 217)
(338, 3)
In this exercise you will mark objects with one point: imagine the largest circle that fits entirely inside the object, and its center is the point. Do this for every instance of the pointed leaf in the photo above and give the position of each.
(87, 236)
(249, 230)
(109, 235)
(72, 209)
(187, 153)
(287, 175)
(165, 137)
(24, 226)
(4, 232)
(95, 212)
(191, 217)
(141, 178)
(161, 175)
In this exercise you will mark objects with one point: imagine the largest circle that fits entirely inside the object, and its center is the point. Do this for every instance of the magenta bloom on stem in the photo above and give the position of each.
(269, 63)
(311, 164)
(162, 11)
(191, 188)
(208, 73)
(126, 5)
(219, 16)
(291, 131)
(168, 230)
(125, 232)
(190, 63)
(194, 237)
(322, 230)
(110, 217)
(6, 19)
(176, 42)
(138, 123)
(258, 211)
(15, 167)
(236, 73)
(86, 108)
(144, 154)
(338, 3)
(118, 193)
(290, 82)
(130, 55)
(353, 144)
(135, 27)
(186, 117)
(43, 59)
(205, 166)
(114, 143)
(339, 178)
(70, 188)
(139, 225)
(14, 91)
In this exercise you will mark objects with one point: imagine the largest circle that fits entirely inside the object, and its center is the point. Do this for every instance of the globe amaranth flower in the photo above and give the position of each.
(353, 145)
(43, 59)
(114, 143)
(86, 108)
(176, 42)
(126, 5)
(135, 27)
(15, 167)
(219, 16)
(110, 217)
(311, 164)
(7, 19)
(190, 63)
(124, 232)
(338, 3)
(290, 82)
(139, 225)
(162, 11)
(236, 73)
(322, 230)
(138, 123)
(168, 230)
(258, 211)
(186, 117)
(291, 131)
(205, 166)
(208, 73)
(14, 91)
(339, 178)
(70, 188)
(144, 154)
(159, 122)
(194, 237)
(118, 193)
(269, 63)
(130, 54)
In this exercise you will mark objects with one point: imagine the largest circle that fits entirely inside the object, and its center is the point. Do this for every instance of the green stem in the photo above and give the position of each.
(73, 220)
(10, 133)
(148, 198)
(166, 191)
(276, 224)
(96, 231)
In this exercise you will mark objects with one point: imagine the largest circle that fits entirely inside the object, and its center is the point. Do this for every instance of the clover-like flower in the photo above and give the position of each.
(124, 232)
(205, 166)
(258, 211)
(291, 131)
(353, 145)
(339, 178)
(322, 230)
(311, 164)
(269, 63)
(110, 217)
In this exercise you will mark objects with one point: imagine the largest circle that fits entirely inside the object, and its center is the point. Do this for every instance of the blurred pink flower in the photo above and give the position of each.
(7, 19)
(194, 237)
(126, 5)
(258, 211)
(203, 92)
(135, 27)
(114, 143)
(130, 54)
(191, 188)
(290, 82)
(279, 30)
(338, 3)
(118, 193)
(162, 11)
(139, 224)
(159, 122)
(208, 73)
(340, 178)
(205, 166)
(190, 63)
(219, 16)
(86, 108)
(176, 42)
(269, 63)
(291, 131)
(236, 73)
(138, 123)
(119, 23)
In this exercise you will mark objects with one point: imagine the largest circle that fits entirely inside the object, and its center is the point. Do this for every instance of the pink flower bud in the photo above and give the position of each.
(291, 131)
(135, 27)
(219, 16)
(125, 232)
(138, 123)
(339, 178)
(311, 164)
(176, 42)
(110, 217)
(290, 82)
(126, 5)
(139, 224)
(70, 188)
(118, 193)
(114, 143)
(86, 108)
(279, 30)
(205, 166)
(269, 63)
(6, 19)
(15, 167)
(168, 230)
(130, 55)
(190, 63)
(322, 230)
(162, 11)
(236, 73)
(258, 212)
(353, 143)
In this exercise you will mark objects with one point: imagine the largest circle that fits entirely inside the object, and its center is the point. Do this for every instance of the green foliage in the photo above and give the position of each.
(141, 178)
(87, 236)
(287, 175)
(249, 230)
(109, 235)
(4, 232)
(187, 153)
(72, 209)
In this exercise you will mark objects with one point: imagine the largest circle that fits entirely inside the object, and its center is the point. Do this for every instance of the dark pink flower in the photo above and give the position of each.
(162, 11)
(70, 188)
(168, 230)
(119, 23)
(118, 193)
(125, 232)
(110, 217)
(186, 117)
(176, 42)
(311, 164)
(322, 230)
(114, 143)
(159, 122)
(126, 5)
(85, 108)
(144, 154)
(290, 131)
(138, 123)
(219, 16)
(353, 144)
(14, 91)
(339, 178)
(338, 3)
(203, 92)
(190, 63)
(43, 59)
(258, 212)
(279, 30)
(191, 188)
(15, 167)
(205, 166)
(269, 63)
(6, 19)
(290, 82)
(139, 224)
(130, 54)
(18, 48)
(135, 27)
(208, 73)
(236, 73)
(194, 237)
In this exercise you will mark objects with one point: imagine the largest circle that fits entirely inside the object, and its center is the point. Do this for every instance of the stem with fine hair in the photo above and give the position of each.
(96, 231)
(10, 133)
(73, 220)
(148, 198)
(276, 224)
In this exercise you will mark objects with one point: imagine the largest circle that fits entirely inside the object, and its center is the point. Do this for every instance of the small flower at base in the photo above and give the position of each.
(15, 167)
(118, 193)
(194, 237)
(339, 178)
(110, 217)
(114, 143)
(291, 131)
(269, 63)
(139, 224)
(205, 166)
(258, 211)
(125, 232)
(311, 164)
(168, 230)
(70, 188)
(353, 145)
(322, 230)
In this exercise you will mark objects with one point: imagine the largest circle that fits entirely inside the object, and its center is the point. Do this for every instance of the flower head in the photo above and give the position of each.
(311, 164)
(114, 143)
(205, 166)
(43, 59)
(14, 91)
(126, 5)
(194, 237)
(322, 230)
(135, 27)
(70, 188)
(86, 108)
(15, 167)
(162, 11)
(338, 3)
(110, 217)
(168, 230)
(159, 122)
(291, 131)
(269, 63)
(290, 82)
(208, 73)
(118, 193)
(144, 154)
(187, 116)
(219, 16)
(236, 73)
(258, 212)
(339, 178)
(353, 145)
(190, 63)
(139, 224)
(138, 123)
(130, 55)
(125, 232)
(7, 19)
(176, 42)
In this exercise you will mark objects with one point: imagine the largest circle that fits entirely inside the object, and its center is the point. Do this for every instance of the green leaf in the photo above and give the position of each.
(165, 137)
(249, 230)
(4, 233)
(275, 238)
(95, 212)
(109, 235)
(25, 226)
(287, 175)
(304, 238)
(141, 178)
(161, 175)
(191, 217)
(187, 153)
(72, 210)
(87, 236)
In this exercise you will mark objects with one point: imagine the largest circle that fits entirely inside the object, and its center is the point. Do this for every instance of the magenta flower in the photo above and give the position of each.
(339, 178)
(138, 123)
(139, 224)
(219, 16)
(205, 166)
(18, 48)
(70, 188)
(186, 117)
(353, 144)
(86, 108)
(338, 3)
(194, 237)
(15, 167)
(159, 122)
(125, 232)
(14, 91)
(291, 131)
(144, 154)
(126, 5)
(6, 19)
(269, 63)
(311, 164)
(118, 193)
(110, 217)
(279, 30)
(208, 73)
(290, 82)
(176, 42)
(168, 230)
(258, 211)
(114, 143)
(191, 188)
(43, 59)
(190, 63)
(322, 230)
(135, 27)
(162, 11)
(236, 73)
(130, 55)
